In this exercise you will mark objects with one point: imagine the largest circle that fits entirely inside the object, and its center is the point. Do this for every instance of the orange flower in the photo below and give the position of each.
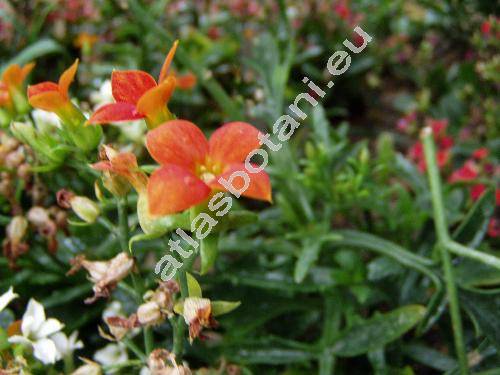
(85, 40)
(12, 82)
(138, 96)
(191, 166)
(122, 164)
(186, 81)
(53, 97)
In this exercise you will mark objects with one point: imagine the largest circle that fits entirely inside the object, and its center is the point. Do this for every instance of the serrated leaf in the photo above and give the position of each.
(375, 333)
(223, 307)
(194, 288)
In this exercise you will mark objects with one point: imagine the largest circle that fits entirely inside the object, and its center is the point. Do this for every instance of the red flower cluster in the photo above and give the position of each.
(471, 172)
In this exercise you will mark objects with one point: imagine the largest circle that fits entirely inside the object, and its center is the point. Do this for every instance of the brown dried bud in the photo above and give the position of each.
(13, 246)
(119, 327)
(198, 314)
(104, 274)
(38, 216)
(162, 362)
(149, 314)
(64, 197)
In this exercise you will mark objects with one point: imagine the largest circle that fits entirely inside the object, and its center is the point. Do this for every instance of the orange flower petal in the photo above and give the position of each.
(174, 189)
(154, 100)
(129, 85)
(259, 184)
(48, 100)
(186, 81)
(14, 75)
(232, 142)
(114, 112)
(178, 142)
(25, 70)
(42, 88)
(168, 60)
(66, 79)
(11, 74)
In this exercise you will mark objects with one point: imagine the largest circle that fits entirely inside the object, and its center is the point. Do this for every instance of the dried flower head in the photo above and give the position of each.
(104, 274)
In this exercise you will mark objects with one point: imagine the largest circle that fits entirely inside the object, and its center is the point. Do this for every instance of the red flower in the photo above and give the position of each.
(191, 166)
(438, 127)
(480, 153)
(467, 172)
(446, 142)
(342, 10)
(486, 28)
(138, 96)
(476, 191)
(494, 228)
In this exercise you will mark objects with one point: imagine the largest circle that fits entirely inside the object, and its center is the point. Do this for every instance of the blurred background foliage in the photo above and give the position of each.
(341, 271)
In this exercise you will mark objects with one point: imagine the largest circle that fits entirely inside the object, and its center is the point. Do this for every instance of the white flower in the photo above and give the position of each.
(111, 354)
(102, 96)
(66, 345)
(36, 330)
(45, 121)
(6, 298)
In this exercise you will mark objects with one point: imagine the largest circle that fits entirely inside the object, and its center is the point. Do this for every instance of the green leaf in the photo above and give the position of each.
(484, 309)
(380, 330)
(32, 52)
(194, 288)
(321, 125)
(208, 252)
(223, 307)
(475, 224)
(307, 258)
(4, 343)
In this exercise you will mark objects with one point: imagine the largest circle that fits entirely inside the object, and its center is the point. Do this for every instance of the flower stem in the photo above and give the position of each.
(179, 326)
(138, 287)
(330, 327)
(443, 238)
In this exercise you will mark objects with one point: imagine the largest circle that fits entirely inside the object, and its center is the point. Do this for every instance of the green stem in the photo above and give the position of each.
(134, 349)
(467, 252)
(179, 326)
(124, 235)
(330, 327)
(69, 364)
(444, 239)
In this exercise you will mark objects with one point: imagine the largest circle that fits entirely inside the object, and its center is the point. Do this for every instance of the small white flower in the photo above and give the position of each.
(66, 345)
(36, 330)
(6, 298)
(111, 354)
(45, 121)
(102, 96)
